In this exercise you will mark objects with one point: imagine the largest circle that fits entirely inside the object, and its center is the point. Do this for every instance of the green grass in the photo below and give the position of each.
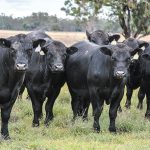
(134, 129)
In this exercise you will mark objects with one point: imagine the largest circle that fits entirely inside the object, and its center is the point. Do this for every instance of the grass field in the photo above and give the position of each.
(133, 128)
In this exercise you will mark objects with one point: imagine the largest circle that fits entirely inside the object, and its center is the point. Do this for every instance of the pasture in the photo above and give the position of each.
(62, 134)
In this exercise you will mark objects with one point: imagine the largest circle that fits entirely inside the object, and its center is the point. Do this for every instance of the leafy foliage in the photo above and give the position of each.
(133, 15)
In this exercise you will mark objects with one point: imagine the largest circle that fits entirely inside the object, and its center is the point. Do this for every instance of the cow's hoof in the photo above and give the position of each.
(139, 106)
(119, 109)
(85, 119)
(96, 130)
(35, 124)
(5, 137)
(47, 121)
(127, 106)
(112, 129)
(41, 116)
(147, 116)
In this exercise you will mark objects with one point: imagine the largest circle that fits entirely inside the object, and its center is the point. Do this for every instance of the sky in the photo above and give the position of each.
(21, 8)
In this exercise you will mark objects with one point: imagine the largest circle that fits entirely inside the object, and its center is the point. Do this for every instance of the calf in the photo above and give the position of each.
(134, 78)
(15, 54)
(45, 76)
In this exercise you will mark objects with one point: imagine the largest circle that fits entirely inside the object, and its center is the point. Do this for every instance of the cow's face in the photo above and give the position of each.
(55, 53)
(120, 55)
(20, 50)
(101, 38)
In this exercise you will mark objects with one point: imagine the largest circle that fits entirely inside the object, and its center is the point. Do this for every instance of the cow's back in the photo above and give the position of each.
(77, 64)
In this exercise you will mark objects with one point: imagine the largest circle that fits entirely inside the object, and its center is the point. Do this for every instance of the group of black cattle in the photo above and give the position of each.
(95, 71)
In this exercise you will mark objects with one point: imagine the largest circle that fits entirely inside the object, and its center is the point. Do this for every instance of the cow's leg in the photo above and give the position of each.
(5, 115)
(115, 102)
(129, 95)
(80, 107)
(119, 108)
(97, 105)
(50, 103)
(75, 105)
(21, 91)
(36, 105)
(141, 95)
(86, 105)
(147, 114)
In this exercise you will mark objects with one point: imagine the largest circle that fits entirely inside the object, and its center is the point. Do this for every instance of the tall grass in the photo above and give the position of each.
(62, 134)
(133, 128)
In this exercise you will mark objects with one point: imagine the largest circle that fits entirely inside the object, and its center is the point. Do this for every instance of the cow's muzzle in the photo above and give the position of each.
(57, 68)
(120, 74)
(21, 66)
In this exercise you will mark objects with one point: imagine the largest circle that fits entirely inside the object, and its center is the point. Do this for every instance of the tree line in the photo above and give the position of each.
(42, 20)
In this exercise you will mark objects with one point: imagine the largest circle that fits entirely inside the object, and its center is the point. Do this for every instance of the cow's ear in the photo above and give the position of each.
(5, 42)
(146, 56)
(38, 42)
(115, 37)
(88, 35)
(71, 50)
(143, 44)
(137, 50)
(106, 50)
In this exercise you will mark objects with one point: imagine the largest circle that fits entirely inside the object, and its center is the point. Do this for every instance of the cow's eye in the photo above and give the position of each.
(93, 40)
(128, 59)
(13, 50)
(106, 42)
(29, 51)
(113, 58)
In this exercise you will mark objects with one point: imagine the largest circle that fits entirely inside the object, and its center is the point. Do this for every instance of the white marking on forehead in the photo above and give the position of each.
(38, 49)
(16, 45)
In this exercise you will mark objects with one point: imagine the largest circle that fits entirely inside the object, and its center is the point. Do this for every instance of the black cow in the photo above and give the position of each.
(134, 79)
(101, 38)
(145, 83)
(45, 76)
(98, 37)
(15, 54)
(98, 73)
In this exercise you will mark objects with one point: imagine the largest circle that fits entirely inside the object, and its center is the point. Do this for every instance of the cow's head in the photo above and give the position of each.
(20, 50)
(134, 43)
(55, 53)
(121, 56)
(101, 38)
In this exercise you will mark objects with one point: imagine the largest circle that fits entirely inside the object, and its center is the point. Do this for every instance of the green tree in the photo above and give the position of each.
(132, 15)
(83, 10)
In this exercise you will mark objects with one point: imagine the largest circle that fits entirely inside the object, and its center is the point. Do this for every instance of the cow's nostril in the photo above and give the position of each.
(21, 66)
(120, 73)
(58, 66)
